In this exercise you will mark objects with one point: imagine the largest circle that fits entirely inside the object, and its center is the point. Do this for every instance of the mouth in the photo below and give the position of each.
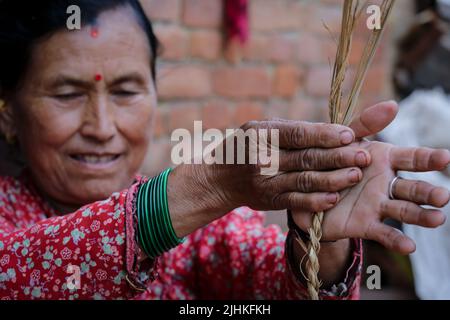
(96, 161)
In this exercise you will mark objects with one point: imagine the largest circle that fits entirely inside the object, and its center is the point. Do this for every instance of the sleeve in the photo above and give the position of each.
(89, 254)
(238, 258)
(347, 289)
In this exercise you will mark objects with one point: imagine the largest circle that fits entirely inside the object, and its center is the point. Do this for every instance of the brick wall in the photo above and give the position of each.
(284, 70)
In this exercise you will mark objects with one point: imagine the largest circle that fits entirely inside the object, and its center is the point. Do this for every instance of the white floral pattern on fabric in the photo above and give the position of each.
(235, 257)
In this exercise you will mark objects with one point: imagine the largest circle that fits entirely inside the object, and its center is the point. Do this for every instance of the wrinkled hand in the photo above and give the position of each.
(307, 151)
(317, 159)
(362, 209)
(199, 194)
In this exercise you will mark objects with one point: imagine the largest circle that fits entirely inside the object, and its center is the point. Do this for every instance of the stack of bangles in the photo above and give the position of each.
(155, 230)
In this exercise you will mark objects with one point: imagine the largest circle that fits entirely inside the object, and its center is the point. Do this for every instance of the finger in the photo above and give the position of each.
(391, 238)
(324, 159)
(420, 159)
(310, 202)
(411, 213)
(420, 192)
(314, 181)
(301, 135)
(374, 119)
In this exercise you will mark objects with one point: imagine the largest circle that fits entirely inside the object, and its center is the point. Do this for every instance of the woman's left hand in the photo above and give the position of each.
(362, 208)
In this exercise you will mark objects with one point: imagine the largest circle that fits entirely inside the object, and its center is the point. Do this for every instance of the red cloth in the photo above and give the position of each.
(236, 20)
(235, 257)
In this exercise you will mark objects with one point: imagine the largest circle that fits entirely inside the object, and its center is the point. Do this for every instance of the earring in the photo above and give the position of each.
(10, 138)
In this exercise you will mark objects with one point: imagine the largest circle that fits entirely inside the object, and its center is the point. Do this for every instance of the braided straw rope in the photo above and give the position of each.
(312, 251)
(342, 114)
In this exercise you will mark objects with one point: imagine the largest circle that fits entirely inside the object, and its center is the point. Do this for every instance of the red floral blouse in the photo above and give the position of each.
(235, 257)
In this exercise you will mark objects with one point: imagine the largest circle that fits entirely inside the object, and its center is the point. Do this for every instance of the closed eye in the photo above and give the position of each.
(124, 93)
(68, 96)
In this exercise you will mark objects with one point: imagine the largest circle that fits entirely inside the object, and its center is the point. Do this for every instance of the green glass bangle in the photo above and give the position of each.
(175, 238)
(155, 228)
(155, 216)
(149, 237)
(165, 216)
(141, 225)
(150, 219)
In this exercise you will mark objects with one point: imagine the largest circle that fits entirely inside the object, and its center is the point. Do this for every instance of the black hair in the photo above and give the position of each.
(422, 5)
(24, 22)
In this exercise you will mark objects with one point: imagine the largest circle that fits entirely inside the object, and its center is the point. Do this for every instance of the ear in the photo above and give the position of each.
(7, 127)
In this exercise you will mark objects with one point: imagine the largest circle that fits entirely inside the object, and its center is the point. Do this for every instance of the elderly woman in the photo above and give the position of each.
(80, 104)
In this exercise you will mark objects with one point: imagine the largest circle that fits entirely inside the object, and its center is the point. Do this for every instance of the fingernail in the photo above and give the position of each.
(346, 137)
(354, 176)
(361, 159)
(332, 198)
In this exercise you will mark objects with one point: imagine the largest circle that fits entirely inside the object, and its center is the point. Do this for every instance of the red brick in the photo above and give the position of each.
(382, 53)
(322, 110)
(247, 111)
(256, 48)
(183, 115)
(357, 50)
(287, 80)
(281, 48)
(329, 48)
(206, 44)
(217, 114)
(162, 10)
(310, 49)
(335, 2)
(376, 80)
(318, 81)
(177, 81)
(203, 13)
(270, 15)
(160, 122)
(244, 82)
(304, 109)
(322, 19)
(277, 109)
(158, 157)
(234, 51)
(174, 42)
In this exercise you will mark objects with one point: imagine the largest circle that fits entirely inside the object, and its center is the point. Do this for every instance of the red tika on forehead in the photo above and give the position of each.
(94, 32)
(98, 77)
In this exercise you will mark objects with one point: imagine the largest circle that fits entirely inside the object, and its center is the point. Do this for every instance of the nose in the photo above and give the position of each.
(99, 122)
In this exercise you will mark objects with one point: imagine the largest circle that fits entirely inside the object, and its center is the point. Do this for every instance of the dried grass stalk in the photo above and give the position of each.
(342, 113)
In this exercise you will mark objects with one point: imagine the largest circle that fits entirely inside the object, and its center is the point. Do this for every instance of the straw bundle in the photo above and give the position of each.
(341, 111)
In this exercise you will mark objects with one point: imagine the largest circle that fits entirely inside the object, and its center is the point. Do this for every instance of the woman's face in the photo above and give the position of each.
(83, 114)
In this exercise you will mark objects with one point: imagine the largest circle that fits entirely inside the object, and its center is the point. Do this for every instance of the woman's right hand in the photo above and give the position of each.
(315, 163)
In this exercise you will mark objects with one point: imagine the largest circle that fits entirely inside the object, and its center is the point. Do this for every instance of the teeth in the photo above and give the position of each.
(95, 159)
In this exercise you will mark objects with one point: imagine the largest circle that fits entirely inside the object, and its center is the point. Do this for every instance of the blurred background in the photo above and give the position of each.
(273, 58)
(282, 69)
